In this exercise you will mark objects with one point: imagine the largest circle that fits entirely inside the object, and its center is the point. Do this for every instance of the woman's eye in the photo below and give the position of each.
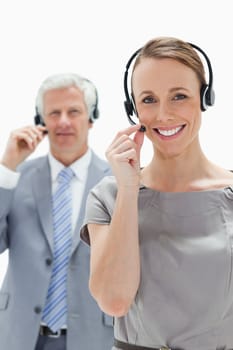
(180, 97)
(148, 100)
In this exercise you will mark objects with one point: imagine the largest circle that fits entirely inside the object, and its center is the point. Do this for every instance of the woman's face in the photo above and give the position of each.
(167, 97)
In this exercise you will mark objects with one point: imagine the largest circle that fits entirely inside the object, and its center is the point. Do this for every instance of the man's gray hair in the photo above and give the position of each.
(58, 81)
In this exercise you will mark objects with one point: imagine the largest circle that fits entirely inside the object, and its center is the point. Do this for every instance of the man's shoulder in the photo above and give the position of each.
(32, 164)
(100, 164)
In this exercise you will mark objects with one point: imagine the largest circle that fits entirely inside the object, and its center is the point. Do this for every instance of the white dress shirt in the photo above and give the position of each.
(80, 169)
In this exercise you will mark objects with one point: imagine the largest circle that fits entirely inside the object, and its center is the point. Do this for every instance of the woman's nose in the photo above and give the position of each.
(159, 113)
(163, 112)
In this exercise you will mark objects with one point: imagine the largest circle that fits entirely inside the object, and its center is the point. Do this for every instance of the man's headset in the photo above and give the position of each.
(207, 95)
(38, 119)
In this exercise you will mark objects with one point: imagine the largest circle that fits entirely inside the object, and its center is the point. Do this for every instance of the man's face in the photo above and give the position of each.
(67, 121)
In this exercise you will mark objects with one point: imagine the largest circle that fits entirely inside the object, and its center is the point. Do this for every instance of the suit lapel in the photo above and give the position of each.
(42, 193)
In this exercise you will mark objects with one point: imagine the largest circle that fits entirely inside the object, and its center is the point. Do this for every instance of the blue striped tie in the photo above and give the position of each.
(55, 311)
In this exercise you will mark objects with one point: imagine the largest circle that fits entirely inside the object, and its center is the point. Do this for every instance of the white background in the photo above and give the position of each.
(95, 39)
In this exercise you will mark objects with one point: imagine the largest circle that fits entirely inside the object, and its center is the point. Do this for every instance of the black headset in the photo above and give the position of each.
(38, 120)
(207, 95)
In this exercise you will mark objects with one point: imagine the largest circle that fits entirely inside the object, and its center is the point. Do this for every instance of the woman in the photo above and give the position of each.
(162, 237)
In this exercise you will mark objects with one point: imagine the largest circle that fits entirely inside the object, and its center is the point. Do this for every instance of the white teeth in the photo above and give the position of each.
(170, 132)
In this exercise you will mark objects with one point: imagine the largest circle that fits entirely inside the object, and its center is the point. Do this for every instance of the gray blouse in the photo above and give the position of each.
(185, 297)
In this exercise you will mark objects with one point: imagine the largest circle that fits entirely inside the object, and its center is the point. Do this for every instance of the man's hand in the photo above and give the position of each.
(21, 143)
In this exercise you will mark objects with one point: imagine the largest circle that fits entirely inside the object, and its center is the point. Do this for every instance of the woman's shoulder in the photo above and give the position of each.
(215, 178)
(223, 178)
(106, 185)
(106, 181)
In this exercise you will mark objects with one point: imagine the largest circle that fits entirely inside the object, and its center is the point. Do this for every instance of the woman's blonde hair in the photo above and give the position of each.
(169, 47)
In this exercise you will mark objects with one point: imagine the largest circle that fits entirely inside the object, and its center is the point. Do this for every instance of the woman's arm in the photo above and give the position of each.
(115, 261)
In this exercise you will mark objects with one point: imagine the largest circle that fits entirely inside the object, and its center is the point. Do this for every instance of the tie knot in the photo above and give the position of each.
(65, 175)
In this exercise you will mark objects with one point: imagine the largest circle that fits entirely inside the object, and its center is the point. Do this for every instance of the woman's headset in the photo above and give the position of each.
(207, 95)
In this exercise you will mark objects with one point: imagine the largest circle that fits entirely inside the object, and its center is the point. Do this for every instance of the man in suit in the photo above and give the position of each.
(67, 106)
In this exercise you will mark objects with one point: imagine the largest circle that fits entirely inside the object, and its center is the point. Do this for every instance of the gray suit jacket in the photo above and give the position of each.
(26, 230)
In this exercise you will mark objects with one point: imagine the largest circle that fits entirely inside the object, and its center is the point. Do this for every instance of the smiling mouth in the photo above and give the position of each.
(169, 132)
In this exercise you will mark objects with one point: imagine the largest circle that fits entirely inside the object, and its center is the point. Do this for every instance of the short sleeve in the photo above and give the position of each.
(99, 205)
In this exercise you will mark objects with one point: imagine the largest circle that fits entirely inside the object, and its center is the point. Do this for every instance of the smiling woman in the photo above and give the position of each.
(167, 98)
(154, 262)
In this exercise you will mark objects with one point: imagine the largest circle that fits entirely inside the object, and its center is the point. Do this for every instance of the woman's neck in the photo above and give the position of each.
(183, 173)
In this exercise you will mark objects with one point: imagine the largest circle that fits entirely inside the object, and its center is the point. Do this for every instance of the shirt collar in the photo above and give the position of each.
(79, 167)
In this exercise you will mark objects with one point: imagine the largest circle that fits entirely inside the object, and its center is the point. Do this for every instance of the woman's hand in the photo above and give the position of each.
(123, 155)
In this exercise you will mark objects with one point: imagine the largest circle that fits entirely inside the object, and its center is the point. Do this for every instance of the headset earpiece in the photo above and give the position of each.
(95, 113)
(210, 97)
(38, 120)
(203, 98)
(129, 107)
(207, 97)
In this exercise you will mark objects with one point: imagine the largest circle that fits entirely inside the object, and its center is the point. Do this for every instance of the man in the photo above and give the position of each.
(45, 302)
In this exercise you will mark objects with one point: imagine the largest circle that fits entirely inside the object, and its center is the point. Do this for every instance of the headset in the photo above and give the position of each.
(38, 119)
(207, 95)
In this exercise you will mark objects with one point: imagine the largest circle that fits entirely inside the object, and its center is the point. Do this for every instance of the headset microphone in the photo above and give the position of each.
(207, 95)
(142, 128)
